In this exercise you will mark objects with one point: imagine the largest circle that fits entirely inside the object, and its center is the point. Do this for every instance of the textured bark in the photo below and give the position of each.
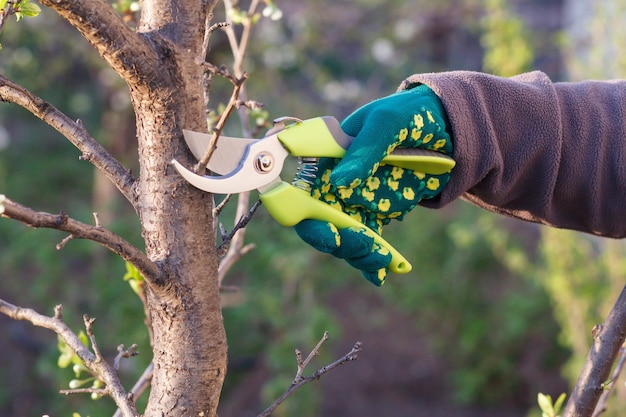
(190, 350)
(159, 64)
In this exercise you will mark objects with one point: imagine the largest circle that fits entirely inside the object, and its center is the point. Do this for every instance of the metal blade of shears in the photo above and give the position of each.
(260, 165)
(227, 155)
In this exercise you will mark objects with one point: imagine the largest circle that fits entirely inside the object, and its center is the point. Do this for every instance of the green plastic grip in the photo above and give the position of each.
(289, 205)
(323, 137)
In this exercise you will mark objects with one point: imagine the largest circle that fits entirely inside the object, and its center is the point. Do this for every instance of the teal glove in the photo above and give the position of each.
(375, 194)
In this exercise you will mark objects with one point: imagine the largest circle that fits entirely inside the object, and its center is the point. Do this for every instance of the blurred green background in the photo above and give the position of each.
(495, 311)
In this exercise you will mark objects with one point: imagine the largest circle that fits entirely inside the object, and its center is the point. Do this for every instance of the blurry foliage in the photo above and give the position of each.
(508, 50)
(466, 291)
(485, 321)
(595, 39)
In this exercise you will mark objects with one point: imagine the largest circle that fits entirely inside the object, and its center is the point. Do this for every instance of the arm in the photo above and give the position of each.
(553, 153)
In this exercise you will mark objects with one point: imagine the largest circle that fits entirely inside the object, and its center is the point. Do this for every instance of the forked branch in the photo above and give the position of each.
(300, 380)
(92, 360)
(608, 339)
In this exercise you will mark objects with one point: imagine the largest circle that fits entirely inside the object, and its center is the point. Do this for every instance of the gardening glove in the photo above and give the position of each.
(372, 193)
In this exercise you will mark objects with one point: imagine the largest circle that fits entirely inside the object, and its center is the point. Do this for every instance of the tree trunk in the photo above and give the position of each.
(190, 349)
(159, 62)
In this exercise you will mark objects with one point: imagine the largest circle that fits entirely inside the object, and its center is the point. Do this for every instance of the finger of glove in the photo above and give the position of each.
(355, 243)
(376, 277)
(372, 143)
(373, 266)
(377, 258)
(323, 236)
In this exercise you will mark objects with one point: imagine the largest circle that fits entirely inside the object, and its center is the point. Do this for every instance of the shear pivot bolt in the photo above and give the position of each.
(264, 163)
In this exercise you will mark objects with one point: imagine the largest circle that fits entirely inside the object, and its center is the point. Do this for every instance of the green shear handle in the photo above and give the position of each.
(290, 205)
(323, 137)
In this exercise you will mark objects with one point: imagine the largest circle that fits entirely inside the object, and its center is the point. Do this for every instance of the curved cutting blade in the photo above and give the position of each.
(247, 174)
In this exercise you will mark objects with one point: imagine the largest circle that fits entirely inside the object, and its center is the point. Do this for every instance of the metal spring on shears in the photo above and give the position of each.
(307, 173)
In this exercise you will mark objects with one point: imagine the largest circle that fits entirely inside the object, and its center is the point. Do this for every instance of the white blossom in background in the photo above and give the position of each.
(335, 91)
(405, 29)
(2, 200)
(383, 51)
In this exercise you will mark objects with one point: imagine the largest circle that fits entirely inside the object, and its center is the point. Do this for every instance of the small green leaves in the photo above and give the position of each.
(26, 9)
(134, 278)
(548, 408)
(19, 8)
(68, 357)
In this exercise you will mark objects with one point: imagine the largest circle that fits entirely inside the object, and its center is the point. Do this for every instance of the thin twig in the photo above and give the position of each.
(218, 209)
(236, 246)
(99, 391)
(92, 361)
(222, 71)
(96, 220)
(140, 386)
(608, 388)
(242, 223)
(9, 9)
(299, 381)
(302, 364)
(608, 340)
(64, 242)
(208, 31)
(219, 126)
(124, 353)
(89, 321)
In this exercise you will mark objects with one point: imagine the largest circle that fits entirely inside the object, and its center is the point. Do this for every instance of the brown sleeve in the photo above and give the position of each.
(553, 153)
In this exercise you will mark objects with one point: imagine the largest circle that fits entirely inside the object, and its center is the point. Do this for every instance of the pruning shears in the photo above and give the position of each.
(248, 164)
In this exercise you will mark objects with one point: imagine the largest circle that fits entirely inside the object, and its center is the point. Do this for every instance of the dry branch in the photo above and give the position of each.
(601, 407)
(608, 339)
(92, 360)
(79, 230)
(299, 380)
(74, 131)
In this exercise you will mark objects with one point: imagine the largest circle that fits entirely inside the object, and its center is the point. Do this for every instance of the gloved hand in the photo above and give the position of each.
(374, 194)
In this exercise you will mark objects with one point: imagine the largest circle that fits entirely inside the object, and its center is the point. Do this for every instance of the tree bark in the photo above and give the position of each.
(159, 64)
(190, 349)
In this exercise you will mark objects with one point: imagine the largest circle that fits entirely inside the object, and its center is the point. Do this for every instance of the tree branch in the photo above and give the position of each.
(608, 389)
(105, 237)
(299, 380)
(140, 386)
(93, 362)
(74, 131)
(608, 339)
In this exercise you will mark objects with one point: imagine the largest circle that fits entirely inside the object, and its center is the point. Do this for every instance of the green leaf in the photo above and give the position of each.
(83, 338)
(545, 403)
(3, 4)
(29, 9)
(134, 278)
(132, 273)
(64, 360)
(559, 403)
